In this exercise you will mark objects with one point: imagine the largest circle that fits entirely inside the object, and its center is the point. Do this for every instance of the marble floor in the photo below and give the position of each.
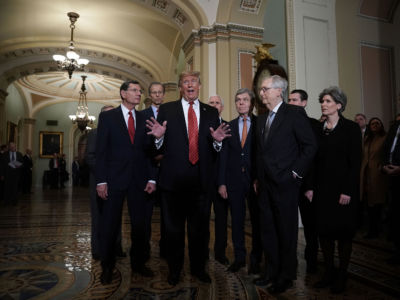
(45, 254)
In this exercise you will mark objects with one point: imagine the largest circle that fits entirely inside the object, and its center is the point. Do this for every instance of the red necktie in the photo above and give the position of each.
(131, 127)
(193, 135)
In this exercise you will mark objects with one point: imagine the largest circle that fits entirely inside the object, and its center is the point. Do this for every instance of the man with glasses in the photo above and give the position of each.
(285, 148)
(189, 136)
(123, 170)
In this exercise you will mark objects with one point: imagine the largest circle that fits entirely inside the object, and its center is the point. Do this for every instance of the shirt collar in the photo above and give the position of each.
(275, 110)
(195, 102)
(126, 111)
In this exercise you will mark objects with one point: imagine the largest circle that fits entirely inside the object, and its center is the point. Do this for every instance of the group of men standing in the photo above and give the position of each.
(15, 173)
(195, 158)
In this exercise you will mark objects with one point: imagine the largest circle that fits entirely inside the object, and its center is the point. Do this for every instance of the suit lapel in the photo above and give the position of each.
(235, 131)
(180, 116)
(280, 116)
(121, 123)
(203, 130)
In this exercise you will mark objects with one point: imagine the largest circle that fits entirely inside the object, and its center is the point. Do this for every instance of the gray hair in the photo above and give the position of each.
(337, 95)
(246, 91)
(220, 98)
(279, 82)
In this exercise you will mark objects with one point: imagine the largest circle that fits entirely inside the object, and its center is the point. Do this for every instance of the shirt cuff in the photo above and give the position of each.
(217, 145)
(159, 142)
(297, 175)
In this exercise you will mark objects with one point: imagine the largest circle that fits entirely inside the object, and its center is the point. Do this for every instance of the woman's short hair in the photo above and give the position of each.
(337, 95)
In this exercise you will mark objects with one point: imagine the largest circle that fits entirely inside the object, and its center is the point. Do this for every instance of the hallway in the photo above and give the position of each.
(45, 254)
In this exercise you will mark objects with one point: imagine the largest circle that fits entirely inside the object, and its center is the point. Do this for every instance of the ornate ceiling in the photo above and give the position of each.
(57, 84)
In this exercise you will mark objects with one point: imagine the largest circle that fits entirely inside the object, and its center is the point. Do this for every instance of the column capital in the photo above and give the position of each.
(227, 31)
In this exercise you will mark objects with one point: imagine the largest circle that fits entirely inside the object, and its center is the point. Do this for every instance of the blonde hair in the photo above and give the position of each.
(188, 73)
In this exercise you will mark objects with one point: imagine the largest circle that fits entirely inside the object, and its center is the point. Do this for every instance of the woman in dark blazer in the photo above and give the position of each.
(335, 186)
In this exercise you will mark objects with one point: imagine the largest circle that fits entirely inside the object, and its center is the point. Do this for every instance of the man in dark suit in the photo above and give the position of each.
(96, 203)
(285, 148)
(54, 166)
(307, 208)
(188, 135)
(123, 169)
(220, 205)
(235, 178)
(11, 171)
(391, 166)
(27, 172)
(157, 93)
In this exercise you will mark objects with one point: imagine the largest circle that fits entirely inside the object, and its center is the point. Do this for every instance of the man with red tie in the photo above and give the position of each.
(123, 170)
(189, 136)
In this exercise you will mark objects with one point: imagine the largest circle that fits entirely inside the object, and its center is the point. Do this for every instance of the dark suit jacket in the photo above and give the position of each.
(28, 164)
(290, 145)
(5, 169)
(148, 113)
(388, 145)
(120, 163)
(235, 160)
(175, 146)
(90, 152)
(51, 164)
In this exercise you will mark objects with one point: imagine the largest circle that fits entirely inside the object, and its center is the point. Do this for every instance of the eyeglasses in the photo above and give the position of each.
(265, 89)
(135, 91)
(156, 92)
(193, 81)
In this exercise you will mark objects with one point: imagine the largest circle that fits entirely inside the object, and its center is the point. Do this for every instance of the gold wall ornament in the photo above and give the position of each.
(263, 52)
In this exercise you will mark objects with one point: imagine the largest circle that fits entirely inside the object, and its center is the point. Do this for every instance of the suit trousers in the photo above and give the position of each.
(309, 220)
(111, 222)
(220, 225)
(96, 210)
(180, 208)
(279, 227)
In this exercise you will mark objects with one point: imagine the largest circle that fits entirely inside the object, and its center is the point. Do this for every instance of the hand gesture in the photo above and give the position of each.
(102, 191)
(221, 132)
(222, 192)
(391, 170)
(309, 195)
(156, 129)
(344, 199)
(150, 187)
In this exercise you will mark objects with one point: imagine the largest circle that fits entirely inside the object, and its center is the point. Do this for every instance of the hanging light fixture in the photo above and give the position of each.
(82, 117)
(72, 62)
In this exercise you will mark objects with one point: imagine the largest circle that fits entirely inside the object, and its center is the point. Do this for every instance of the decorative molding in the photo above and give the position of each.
(291, 51)
(223, 32)
(170, 86)
(317, 2)
(250, 6)
(113, 59)
(179, 17)
(38, 60)
(162, 5)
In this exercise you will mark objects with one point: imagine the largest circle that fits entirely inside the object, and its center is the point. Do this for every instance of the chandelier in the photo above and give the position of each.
(72, 62)
(82, 117)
